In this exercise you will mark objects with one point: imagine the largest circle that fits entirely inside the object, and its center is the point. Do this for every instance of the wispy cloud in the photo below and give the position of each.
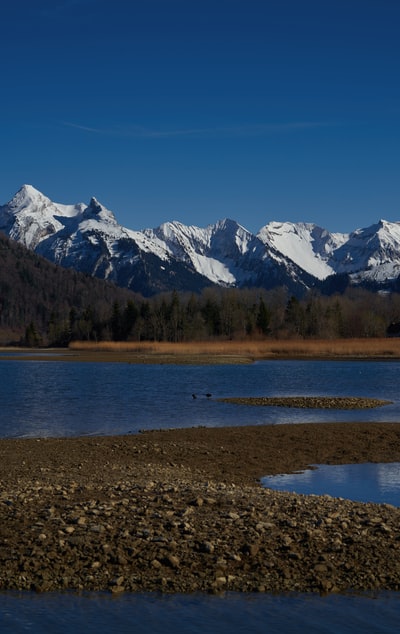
(84, 128)
(139, 132)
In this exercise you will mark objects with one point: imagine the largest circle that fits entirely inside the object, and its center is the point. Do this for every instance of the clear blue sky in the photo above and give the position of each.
(196, 110)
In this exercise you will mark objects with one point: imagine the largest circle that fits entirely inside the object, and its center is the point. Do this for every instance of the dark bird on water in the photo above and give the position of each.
(194, 396)
(209, 395)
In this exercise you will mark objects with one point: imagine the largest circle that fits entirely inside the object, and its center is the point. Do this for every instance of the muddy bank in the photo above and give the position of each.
(182, 511)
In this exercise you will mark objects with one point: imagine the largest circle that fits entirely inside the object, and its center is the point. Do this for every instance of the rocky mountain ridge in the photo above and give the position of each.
(178, 257)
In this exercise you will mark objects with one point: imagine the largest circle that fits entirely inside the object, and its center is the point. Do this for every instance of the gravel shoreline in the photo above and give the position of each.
(182, 511)
(308, 402)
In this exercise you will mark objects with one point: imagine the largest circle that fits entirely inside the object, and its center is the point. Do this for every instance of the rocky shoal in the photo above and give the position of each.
(168, 511)
(310, 402)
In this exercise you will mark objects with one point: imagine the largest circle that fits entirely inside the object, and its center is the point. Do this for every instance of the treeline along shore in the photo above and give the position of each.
(214, 314)
(183, 511)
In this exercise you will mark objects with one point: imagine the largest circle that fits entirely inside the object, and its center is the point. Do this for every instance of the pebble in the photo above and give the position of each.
(307, 544)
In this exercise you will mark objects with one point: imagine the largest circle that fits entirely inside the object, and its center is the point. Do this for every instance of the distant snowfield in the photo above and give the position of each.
(308, 245)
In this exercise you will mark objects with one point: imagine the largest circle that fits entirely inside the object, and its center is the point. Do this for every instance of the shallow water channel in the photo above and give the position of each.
(367, 482)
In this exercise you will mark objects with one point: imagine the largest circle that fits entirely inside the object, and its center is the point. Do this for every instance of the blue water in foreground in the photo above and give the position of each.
(51, 398)
(199, 614)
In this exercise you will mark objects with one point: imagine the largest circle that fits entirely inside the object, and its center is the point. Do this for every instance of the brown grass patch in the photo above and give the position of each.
(265, 349)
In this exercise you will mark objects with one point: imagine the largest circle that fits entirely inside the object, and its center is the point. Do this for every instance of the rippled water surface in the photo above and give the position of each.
(51, 398)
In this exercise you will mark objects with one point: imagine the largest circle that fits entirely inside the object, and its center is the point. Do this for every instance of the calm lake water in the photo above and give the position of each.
(199, 614)
(49, 398)
(361, 482)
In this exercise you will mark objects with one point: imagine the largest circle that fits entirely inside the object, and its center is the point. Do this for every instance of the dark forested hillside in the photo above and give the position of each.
(44, 303)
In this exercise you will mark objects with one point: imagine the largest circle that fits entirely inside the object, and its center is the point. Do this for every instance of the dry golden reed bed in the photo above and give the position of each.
(262, 349)
(215, 352)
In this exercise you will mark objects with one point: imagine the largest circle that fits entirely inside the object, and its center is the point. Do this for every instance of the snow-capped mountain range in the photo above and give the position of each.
(299, 256)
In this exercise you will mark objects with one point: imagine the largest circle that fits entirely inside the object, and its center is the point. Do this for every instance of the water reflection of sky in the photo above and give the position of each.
(53, 398)
(366, 482)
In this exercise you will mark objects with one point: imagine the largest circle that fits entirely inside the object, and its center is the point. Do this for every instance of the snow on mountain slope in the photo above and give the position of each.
(176, 256)
(30, 216)
(212, 251)
(369, 254)
(95, 242)
(373, 253)
(309, 246)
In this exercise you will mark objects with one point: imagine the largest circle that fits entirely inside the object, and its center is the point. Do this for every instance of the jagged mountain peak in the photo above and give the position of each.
(381, 232)
(29, 191)
(384, 227)
(94, 204)
(97, 210)
(227, 224)
(29, 217)
(28, 196)
(175, 228)
(371, 253)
